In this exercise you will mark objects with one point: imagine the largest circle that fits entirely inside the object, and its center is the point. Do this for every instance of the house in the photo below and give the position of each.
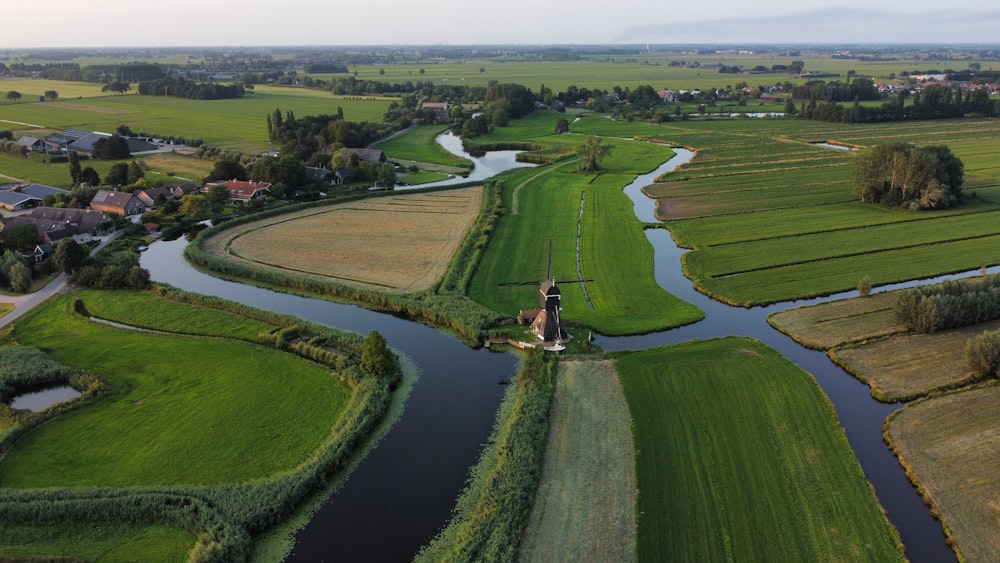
(370, 155)
(314, 174)
(440, 110)
(153, 196)
(125, 204)
(181, 190)
(32, 144)
(242, 192)
(81, 224)
(342, 176)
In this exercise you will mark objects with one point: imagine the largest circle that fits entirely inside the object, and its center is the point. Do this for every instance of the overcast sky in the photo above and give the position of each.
(131, 23)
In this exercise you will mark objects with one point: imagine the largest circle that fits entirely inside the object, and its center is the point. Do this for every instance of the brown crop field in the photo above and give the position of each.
(398, 243)
(950, 445)
(909, 365)
(585, 506)
(834, 323)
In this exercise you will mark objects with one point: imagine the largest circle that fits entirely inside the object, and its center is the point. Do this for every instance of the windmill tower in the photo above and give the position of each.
(547, 326)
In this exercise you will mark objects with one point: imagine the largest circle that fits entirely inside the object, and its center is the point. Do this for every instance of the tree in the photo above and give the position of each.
(111, 148)
(376, 358)
(135, 172)
(865, 286)
(982, 354)
(21, 237)
(591, 154)
(13, 95)
(51, 95)
(562, 126)
(19, 277)
(900, 174)
(75, 173)
(70, 255)
(195, 206)
(90, 177)
(218, 195)
(227, 170)
(117, 175)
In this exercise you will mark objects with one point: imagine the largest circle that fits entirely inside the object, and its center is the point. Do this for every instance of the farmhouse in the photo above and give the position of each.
(32, 144)
(370, 155)
(314, 174)
(123, 203)
(440, 110)
(242, 192)
(154, 196)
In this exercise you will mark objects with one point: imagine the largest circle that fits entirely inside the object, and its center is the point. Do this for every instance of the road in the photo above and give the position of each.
(24, 303)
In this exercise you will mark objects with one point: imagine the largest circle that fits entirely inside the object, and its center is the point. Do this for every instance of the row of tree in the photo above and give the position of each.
(950, 304)
(180, 87)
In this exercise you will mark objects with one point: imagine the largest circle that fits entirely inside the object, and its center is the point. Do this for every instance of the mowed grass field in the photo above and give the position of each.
(740, 457)
(170, 419)
(950, 445)
(616, 259)
(238, 124)
(826, 325)
(398, 243)
(771, 217)
(585, 506)
(92, 542)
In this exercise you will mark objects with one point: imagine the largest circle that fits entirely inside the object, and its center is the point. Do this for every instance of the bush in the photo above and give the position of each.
(865, 286)
(982, 354)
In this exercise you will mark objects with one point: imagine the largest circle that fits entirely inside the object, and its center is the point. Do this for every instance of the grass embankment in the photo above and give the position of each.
(157, 446)
(616, 259)
(399, 244)
(740, 456)
(771, 217)
(950, 446)
(492, 512)
(585, 506)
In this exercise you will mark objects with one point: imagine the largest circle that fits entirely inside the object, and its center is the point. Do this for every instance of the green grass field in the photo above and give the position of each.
(170, 419)
(615, 254)
(417, 144)
(740, 457)
(105, 542)
(771, 217)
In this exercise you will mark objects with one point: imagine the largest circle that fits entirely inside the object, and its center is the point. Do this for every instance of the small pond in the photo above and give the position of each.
(43, 398)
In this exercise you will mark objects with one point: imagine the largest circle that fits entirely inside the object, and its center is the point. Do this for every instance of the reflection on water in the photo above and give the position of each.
(486, 166)
(44, 398)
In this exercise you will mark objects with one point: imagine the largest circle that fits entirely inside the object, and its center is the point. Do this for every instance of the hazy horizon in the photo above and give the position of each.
(180, 23)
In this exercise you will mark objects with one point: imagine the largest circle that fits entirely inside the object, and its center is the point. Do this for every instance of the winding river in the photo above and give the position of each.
(403, 492)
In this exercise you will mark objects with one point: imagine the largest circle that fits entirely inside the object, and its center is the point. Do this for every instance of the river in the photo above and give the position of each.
(404, 491)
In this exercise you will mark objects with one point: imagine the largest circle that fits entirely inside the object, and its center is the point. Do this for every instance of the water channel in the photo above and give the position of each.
(404, 491)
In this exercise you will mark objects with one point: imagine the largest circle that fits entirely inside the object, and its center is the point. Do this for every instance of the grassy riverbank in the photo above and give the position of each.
(157, 460)
(734, 444)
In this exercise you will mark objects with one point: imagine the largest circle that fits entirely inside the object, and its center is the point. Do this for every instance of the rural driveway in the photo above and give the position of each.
(24, 303)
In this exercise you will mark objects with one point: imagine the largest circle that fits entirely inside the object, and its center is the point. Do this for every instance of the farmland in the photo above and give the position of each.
(953, 459)
(585, 507)
(342, 243)
(772, 217)
(708, 492)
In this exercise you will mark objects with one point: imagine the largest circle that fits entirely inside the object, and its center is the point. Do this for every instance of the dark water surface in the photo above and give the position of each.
(404, 491)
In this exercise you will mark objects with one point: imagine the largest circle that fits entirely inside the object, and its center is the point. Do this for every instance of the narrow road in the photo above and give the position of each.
(24, 303)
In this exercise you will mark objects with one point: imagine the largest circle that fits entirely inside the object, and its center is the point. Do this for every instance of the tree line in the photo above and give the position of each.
(180, 87)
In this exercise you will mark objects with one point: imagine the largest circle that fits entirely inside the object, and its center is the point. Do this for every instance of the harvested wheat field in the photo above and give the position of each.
(830, 324)
(951, 445)
(398, 243)
(585, 506)
(907, 366)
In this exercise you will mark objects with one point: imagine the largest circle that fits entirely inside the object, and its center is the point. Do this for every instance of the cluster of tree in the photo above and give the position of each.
(363, 170)
(377, 360)
(124, 174)
(13, 95)
(950, 304)
(79, 175)
(903, 175)
(934, 102)
(14, 270)
(119, 272)
(982, 354)
(507, 101)
(317, 132)
(110, 148)
(180, 87)
(858, 89)
(117, 87)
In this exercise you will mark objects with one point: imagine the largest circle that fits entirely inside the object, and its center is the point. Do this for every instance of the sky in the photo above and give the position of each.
(132, 23)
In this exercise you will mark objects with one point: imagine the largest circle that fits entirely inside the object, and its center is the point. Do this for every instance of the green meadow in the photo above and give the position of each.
(784, 486)
(770, 217)
(417, 144)
(238, 124)
(543, 205)
(92, 542)
(170, 418)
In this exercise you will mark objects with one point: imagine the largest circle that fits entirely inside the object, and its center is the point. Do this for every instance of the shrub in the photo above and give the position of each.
(982, 354)
(865, 286)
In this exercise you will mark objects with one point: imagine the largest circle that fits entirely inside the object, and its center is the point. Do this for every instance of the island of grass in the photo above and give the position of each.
(218, 438)
(740, 456)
